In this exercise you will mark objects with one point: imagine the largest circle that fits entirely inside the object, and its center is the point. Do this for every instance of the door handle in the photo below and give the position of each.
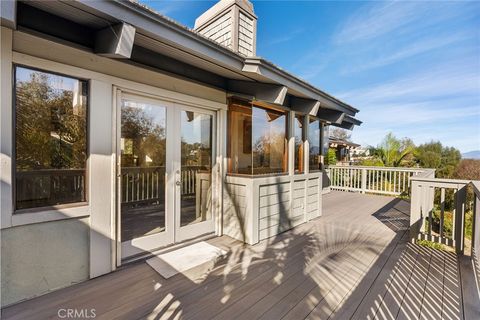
(178, 183)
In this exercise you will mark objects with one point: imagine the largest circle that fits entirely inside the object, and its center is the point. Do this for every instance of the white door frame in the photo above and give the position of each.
(151, 242)
(200, 228)
(173, 232)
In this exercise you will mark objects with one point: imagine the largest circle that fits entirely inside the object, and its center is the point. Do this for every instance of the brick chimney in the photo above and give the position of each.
(232, 23)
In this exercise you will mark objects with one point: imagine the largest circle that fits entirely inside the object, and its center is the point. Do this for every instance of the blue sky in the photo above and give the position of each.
(412, 68)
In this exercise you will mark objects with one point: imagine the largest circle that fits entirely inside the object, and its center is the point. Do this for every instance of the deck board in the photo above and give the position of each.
(354, 262)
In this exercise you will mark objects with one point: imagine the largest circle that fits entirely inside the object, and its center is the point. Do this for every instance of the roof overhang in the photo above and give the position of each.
(167, 45)
(8, 14)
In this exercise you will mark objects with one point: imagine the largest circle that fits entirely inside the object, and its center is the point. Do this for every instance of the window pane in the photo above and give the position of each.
(50, 139)
(196, 156)
(256, 140)
(268, 141)
(299, 133)
(142, 174)
(240, 139)
(314, 128)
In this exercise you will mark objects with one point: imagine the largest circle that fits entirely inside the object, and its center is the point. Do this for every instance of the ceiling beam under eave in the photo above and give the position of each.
(305, 106)
(8, 14)
(352, 120)
(345, 125)
(115, 41)
(330, 115)
(267, 92)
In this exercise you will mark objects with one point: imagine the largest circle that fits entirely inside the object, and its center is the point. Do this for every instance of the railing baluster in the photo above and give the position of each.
(442, 210)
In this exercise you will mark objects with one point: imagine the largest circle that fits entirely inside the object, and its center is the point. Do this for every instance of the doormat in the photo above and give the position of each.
(177, 261)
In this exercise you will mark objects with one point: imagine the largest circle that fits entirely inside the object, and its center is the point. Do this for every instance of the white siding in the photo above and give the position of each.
(220, 30)
(245, 35)
(274, 211)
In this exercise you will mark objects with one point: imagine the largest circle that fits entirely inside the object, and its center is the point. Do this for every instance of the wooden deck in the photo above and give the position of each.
(355, 262)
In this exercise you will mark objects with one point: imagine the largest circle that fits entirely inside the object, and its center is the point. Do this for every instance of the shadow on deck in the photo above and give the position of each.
(355, 262)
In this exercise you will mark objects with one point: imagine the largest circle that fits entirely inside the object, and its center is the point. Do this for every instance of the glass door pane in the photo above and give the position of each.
(196, 167)
(142, 176)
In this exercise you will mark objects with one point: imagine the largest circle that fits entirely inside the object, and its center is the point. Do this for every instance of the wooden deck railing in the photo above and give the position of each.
(433, 199)
(44, 187)
(148, 183)
(380, 180)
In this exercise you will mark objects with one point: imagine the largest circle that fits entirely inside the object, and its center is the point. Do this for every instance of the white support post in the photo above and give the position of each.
(364, 180)
(291, 143)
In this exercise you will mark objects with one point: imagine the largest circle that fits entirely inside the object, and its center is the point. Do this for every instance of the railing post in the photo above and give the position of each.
(416, 218)
(460, 200)
(364, 180)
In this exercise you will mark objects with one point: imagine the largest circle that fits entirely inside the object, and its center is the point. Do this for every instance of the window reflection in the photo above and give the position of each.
(50, 139)
(143, 157)
(196, 160)
(314, 128)
(299, 133)
(256, 140)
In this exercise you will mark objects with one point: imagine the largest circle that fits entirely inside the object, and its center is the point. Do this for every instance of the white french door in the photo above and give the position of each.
(165, 155)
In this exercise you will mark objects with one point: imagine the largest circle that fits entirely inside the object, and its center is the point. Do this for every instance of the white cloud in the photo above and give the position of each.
(397, 17)
(285, 37)
(415, 47)
(443, 81)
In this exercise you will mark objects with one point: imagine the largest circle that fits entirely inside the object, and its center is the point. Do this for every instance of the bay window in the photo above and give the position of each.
(256, 139)
(314, 133)
(299, 135)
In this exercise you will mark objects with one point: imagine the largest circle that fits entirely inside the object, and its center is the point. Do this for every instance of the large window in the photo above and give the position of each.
(50, 139)
(257, 139)
(299, 133)
(314, 128)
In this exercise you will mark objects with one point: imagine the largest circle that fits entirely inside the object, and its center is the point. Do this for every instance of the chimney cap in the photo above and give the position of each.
(221, 6)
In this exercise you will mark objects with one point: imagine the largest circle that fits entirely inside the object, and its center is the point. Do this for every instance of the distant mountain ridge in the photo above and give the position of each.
(475, 154)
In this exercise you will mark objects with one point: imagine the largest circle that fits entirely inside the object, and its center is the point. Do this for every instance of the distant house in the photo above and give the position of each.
(344, 149)
(173, 135)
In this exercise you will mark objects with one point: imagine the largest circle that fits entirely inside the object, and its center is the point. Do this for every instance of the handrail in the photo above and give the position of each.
(369, 179)
(422, 207)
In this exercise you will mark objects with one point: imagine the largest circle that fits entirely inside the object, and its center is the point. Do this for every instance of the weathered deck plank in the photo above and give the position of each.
(355, 262)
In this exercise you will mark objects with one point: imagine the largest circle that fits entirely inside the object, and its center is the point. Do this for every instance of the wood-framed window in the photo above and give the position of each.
(314, 141)
(51, 144)
(299, 133)
(257, 139)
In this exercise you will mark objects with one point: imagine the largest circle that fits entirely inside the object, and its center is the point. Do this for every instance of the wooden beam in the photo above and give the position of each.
(8, 13)
(351, 119)
(115, 41)
(330, 115)
(267, 92)
(305, 106)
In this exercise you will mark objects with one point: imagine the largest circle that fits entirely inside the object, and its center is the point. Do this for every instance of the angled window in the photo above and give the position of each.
(256, 139)
(300, 137)
(314, 128)
(50, 139)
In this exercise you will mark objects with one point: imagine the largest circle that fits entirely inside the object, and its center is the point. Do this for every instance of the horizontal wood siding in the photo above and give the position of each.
(245, 35)
(313, 196)
(297, 214)
(235, 208)
(274, 209)
(220, 30)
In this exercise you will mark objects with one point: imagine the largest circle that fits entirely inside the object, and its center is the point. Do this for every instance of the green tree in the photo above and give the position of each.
(434, 155)
(331, 157)
(392, 152)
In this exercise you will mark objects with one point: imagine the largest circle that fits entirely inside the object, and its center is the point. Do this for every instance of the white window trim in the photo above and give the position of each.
(8, 217)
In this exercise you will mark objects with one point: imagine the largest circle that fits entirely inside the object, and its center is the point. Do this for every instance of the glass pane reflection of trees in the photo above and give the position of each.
(299, 132)
(257, 140)
(50, 139)
(196, 161)
(143, 157)
(314, 128)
